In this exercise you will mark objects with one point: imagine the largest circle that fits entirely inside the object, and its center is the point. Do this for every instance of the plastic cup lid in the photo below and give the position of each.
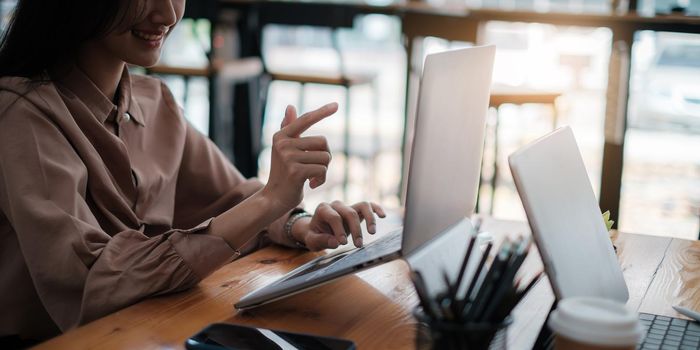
(595, 321)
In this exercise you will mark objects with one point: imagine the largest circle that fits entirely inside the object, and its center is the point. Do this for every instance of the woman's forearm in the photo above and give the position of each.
(243, 222)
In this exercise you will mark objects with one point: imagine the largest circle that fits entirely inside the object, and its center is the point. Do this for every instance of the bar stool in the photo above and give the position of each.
(515, 97)
(227, 72)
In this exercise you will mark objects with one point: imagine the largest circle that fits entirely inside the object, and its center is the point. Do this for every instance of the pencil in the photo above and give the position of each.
(533, 282)
(505, 283)
(465, 262)
(491, 278)
(477, 272)
(423, 295)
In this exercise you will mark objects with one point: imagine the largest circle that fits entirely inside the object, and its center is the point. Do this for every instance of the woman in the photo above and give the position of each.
(108, 196)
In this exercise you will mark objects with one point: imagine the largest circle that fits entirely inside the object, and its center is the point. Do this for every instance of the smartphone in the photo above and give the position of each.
(224, 336)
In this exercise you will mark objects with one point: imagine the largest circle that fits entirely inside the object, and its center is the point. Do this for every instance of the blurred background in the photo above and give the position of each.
(365, 67)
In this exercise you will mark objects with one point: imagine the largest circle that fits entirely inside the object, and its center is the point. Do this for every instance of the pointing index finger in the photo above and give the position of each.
(297, 127)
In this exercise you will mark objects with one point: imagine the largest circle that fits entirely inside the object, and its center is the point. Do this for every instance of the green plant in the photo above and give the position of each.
(608, 223)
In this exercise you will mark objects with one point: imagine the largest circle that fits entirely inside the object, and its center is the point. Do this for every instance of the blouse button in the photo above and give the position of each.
(124, 117)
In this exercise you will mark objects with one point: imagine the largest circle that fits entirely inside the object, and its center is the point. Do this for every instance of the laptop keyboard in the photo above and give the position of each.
(669, 333)
(383, 246)
(332, 263)
(661, 332)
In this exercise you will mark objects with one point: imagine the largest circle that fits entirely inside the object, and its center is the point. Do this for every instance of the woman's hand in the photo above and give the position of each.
(332, 223)
(296, 159)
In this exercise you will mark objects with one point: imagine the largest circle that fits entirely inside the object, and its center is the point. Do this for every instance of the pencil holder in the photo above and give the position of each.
(441, 334)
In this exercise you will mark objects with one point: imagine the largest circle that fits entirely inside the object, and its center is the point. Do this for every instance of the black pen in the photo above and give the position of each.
(450, 291)
(506, 306)
(521, 293)
(451, 295)
(492, 276)
(465, 262)
(466, 300)
(423, 295)
(505, 283)
(477, 273)
(446, 308)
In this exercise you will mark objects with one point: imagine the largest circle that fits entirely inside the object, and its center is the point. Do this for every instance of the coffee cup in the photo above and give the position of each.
(584, 323)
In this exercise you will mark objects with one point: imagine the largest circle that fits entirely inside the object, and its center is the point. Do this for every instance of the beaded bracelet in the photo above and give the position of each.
(288, 227)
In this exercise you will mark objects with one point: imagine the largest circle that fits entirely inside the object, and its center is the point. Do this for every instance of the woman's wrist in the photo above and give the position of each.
(296, 227)
(276, 202)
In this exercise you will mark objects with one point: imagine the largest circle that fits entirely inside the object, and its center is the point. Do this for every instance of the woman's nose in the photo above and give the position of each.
(164, 12)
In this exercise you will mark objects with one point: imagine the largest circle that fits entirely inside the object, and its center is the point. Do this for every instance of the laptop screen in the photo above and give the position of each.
(565, 218)
(448, 142)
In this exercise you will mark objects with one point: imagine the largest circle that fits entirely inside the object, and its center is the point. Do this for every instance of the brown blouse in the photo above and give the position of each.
(103, 205)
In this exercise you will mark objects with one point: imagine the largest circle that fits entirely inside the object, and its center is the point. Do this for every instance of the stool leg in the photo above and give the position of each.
(346, 144)
(213, 105)
(300, 107)
(376, 186)
(186, 81)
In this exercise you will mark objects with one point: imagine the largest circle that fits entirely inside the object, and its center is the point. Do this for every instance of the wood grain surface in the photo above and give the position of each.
(676, 281)
(640, 256)
(373, 307)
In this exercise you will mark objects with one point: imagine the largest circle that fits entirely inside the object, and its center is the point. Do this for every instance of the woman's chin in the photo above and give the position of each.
(145, 62)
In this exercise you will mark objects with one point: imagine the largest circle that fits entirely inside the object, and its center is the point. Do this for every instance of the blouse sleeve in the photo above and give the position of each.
(79, 271)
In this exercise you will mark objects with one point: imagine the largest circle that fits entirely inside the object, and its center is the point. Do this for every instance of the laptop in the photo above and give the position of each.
(442, 182)
(568, 228)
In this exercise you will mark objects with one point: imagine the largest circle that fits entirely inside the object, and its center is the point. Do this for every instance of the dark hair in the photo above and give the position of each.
(45, 33)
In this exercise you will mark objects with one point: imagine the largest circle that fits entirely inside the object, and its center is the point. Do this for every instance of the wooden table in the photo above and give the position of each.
(373, 308)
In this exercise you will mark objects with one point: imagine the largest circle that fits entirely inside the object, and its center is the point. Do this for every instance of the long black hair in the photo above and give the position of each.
(43, 34)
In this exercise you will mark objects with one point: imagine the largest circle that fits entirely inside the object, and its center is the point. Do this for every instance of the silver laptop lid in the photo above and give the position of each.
(565, 219)
(448, 142)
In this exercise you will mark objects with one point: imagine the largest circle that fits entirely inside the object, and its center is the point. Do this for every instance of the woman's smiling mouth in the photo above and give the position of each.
(148, 36)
